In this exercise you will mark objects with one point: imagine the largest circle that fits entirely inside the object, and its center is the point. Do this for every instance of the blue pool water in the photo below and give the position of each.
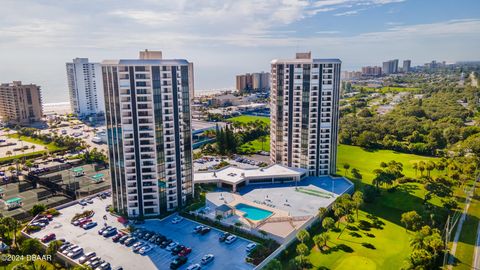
(252, 212)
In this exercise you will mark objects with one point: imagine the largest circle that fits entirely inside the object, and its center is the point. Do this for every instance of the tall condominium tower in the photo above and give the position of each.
(147, 104)
(406, 65)
(20, 103)
(85, 86)
(304, 113)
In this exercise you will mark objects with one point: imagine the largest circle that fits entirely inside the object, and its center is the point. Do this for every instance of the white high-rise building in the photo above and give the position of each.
(305, 113)
(147, 103)
(85, 86)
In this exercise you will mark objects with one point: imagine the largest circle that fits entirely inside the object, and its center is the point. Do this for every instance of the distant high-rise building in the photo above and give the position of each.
(305, 113)
(390, 67)
(149, 136)
(371, 71)
(20, 103)
(406, 65)
(253, 81)
(85, 86)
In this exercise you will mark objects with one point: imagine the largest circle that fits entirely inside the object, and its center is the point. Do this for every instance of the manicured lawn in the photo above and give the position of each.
(249, 118)
(468, 236)
(390, 248)
(256, 145)
(51, 146)
(367, 161)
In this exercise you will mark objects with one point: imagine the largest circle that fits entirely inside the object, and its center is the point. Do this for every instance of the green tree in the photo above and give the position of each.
(302, 249)
(356, 173)
(37, 209)
(328, 223)
(273, 265)
(412, 220)
(357, 201)
(321, 240)
(303, 236)
(31, 246)
(346, 166)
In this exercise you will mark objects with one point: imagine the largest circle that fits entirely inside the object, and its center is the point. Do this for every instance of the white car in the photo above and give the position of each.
(75, 252)
(145, 249)
(66, 251)
(194, 267)
(230, 239)
(171, 246)
(251, 247)
(176, 220)
(207, 258)
(86, 257)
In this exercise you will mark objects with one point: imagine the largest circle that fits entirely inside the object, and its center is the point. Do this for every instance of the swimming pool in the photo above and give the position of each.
(252, 212)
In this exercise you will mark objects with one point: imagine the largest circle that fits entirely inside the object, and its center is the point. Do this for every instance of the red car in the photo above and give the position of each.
(84, 221)
(117, 237)
(185, 251)
(48, 238)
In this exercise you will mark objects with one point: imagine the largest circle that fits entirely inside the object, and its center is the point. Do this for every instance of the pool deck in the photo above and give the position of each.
(292, 204)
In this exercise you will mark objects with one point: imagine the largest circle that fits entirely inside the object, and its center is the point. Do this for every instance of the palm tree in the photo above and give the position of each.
(33, 148)
(262, 139)
(8, 153)
(321, 240)
(357, 200)
(346, 166)
(415, 167)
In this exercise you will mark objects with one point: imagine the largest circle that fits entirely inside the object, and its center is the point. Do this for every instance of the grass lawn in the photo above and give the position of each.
(367, 161)
(466, 244)
(388, 89)
(390, 247)
(256, 145)
(50, 146)
(249, 118)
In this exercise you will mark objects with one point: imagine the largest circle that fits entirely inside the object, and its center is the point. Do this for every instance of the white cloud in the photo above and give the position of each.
(348, 13)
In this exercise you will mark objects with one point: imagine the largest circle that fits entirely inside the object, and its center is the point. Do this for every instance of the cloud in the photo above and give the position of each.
(348, 13)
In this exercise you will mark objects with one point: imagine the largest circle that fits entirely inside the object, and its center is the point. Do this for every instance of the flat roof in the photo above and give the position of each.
(302, 61)
(235, 175)
(146, 62)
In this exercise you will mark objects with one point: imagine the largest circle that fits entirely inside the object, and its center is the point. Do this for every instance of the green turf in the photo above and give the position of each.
(256, 145)
(249, 118)
(466, 244)
(50, 146)
(391, 245)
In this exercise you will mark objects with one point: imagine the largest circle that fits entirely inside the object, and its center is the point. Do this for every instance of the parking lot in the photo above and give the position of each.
(227, 256)
(231, 256)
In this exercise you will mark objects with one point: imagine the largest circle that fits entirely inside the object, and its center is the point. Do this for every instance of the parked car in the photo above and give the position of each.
(103, 266)
(171, 246)
(129, 242)
(117, 237)
(207, 258)
(64, 246)
(205, 230)
(165, 243)
(198, 228)
(82, 203)
(48, 238)
(97, 263)
(75, 252)
(89, 225)
(177, 249)
(230, 239)
(177, 262)
(185, 251)
(109, 232)
(194, 267)
(224, 236)
(251, 247)
(93, 259)
(86, 257)
(70, 248)
(176, 220)
(100, 232)
(123, 239)
(145, 249)
(137, 246)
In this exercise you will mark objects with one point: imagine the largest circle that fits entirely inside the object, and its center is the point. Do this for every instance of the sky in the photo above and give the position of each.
(228, 37)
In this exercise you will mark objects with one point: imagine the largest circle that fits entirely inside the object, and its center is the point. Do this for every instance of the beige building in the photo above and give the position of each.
(20, 103)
